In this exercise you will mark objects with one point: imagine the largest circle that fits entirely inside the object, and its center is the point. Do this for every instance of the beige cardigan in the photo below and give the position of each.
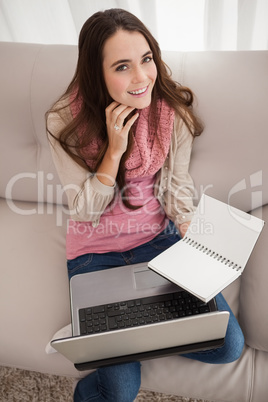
(88, 197)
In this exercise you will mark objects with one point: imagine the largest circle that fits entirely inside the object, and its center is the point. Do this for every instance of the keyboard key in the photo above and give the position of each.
(82, 315)
(83, 328)
(156, 299)
(112, 323)
(114, 313)
(98, 309)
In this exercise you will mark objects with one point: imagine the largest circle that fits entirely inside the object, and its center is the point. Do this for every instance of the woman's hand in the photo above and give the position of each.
(116, 114)
(183, 228)
(118, 140)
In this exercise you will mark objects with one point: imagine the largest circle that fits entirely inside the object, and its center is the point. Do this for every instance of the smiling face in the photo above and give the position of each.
(129, 69)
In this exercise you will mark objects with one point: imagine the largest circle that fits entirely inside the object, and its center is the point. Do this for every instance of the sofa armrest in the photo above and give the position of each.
(253, 292)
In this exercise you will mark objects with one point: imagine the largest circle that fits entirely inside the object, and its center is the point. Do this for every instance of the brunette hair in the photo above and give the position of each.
(88, 89)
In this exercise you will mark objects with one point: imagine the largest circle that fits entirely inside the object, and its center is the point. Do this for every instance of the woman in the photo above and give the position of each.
(121, 139)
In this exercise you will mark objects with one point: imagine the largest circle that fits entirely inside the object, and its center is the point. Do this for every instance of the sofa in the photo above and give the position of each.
(229, 162)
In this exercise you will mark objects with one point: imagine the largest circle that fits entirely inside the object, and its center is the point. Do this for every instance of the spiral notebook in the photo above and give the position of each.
(214, 251)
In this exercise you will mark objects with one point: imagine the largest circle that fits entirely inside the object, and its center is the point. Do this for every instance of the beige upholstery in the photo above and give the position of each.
(229, 162)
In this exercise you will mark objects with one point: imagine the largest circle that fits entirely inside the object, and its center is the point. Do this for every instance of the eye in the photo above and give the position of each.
(122, 67)
(147, 59)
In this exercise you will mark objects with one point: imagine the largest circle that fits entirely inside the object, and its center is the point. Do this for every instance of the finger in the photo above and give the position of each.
(123, 115)
(109, 110)
(115, 108)
(131, 121)
(117, 111)
(112, 106)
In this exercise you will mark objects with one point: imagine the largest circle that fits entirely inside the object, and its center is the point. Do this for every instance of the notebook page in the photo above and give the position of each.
(193, 270)
(225, 230)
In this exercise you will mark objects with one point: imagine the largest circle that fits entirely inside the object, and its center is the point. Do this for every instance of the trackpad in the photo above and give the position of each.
(149, 279)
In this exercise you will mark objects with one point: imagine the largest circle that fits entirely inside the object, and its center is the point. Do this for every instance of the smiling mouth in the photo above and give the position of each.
(139, 91)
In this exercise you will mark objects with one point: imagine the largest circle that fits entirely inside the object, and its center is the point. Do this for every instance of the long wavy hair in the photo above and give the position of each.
(88, 88)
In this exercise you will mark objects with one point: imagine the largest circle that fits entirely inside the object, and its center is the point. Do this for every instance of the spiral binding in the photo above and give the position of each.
(212, 253)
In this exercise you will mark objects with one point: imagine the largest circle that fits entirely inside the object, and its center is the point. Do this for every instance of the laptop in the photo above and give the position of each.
(131, 313)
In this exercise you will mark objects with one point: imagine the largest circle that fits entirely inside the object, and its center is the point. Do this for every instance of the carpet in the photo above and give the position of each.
(27, 386)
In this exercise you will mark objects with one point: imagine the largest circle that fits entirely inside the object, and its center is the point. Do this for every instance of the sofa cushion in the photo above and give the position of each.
(32, 77)
(229, 159)
(34, 291)
(254, 293)
(178, 375)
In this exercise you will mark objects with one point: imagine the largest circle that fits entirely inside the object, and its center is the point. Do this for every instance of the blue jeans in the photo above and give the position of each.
(122, 382)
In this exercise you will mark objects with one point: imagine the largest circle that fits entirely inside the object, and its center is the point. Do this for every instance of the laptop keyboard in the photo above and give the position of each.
(143, 311)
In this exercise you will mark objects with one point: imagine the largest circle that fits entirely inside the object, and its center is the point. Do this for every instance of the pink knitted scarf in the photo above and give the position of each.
(149, 150)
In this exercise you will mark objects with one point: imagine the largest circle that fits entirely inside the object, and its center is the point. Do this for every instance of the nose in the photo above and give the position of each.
(138, 75)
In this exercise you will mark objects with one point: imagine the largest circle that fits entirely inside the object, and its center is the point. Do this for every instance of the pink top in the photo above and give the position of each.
(120, 229)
